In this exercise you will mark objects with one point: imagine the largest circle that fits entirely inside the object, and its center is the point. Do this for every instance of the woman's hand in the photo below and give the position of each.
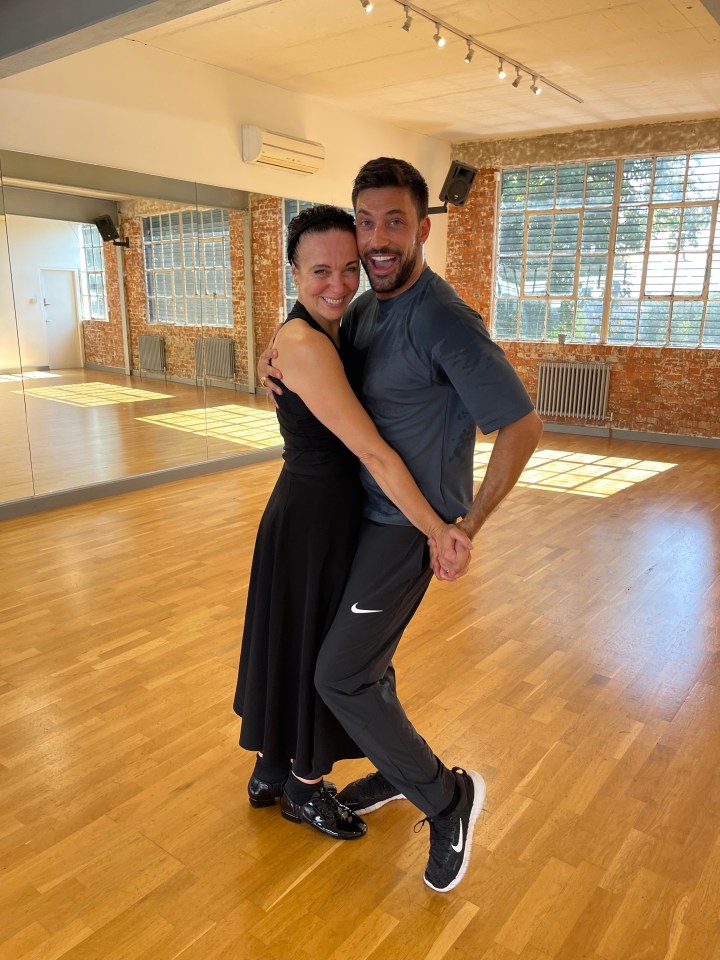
(265, 369)
(450, 552)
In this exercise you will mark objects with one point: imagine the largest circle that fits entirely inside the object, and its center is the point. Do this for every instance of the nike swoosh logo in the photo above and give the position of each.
(356, 609)
(458, 847)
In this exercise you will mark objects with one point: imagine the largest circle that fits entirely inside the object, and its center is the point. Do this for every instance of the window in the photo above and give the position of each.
(624, 252)
(93, 298)
(292, 209)
(187, 268)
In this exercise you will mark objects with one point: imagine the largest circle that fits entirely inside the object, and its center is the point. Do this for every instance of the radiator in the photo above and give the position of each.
(573, 390)
(151, 351)
(215, 357)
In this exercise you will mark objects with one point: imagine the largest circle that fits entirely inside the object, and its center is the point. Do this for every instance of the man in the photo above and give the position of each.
(430, 375)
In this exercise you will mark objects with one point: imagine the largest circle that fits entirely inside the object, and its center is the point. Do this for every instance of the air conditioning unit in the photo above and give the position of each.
(277, 150)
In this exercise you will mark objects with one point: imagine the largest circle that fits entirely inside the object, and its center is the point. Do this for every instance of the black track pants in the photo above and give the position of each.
(354, 673)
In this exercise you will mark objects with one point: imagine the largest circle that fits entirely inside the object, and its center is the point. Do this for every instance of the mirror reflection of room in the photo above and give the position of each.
(16, 473)
(132, 345)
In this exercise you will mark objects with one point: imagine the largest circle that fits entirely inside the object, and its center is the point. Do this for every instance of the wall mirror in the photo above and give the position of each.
(126, 328)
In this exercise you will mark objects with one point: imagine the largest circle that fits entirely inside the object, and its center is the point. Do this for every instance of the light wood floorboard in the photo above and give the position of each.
(62, 429)
(577, 667)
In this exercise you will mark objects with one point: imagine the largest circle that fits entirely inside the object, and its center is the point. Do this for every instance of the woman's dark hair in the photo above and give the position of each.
(317, 219)
(391, 172)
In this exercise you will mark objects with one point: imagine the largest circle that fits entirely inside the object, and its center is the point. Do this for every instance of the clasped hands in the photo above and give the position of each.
(450, 552)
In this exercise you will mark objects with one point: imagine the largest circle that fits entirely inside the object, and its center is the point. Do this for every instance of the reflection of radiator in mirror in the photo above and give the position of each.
(215, 357)
(573, 389)
(151, 351)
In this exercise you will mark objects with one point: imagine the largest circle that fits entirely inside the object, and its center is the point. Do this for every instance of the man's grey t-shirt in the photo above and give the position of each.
(430, 374)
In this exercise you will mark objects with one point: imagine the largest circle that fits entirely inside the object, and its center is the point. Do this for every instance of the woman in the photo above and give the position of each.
(308, 532)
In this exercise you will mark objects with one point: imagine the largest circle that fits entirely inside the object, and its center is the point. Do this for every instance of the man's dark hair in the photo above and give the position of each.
(391, 172)
(317, 219)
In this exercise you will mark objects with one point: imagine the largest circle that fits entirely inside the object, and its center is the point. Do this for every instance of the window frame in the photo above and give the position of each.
(88, 231)
(159, 262)
(610, 298)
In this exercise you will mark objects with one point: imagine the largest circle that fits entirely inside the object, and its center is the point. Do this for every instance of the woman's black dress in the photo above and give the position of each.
(305, 545)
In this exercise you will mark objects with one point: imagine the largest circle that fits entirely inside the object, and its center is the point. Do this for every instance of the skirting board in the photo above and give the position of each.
(173, 378)
(615, 434)
(111, 488)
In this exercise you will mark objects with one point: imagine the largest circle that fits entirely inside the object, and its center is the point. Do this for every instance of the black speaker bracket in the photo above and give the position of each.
(442, 209)
(121, 243)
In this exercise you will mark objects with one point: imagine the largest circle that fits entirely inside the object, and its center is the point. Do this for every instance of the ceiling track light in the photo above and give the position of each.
(473, 45)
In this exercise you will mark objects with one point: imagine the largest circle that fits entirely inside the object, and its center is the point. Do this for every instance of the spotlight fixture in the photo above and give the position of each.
(522, 71)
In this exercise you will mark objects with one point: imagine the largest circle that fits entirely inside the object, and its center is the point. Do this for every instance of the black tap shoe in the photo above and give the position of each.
(264, 794)
(324, 813)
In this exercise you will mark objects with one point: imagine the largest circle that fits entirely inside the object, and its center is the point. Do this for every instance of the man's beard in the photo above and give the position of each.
(392, 281)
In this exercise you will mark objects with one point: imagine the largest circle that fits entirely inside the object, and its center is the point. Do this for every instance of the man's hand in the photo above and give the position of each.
(265, 369)
(450, 552)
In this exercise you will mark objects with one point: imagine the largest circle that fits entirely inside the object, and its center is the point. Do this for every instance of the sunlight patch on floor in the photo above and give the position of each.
(94, 394)
(581, 473)
(236, 424)
(29, 375)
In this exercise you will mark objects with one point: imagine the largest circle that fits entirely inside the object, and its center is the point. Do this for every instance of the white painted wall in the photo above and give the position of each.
(37, 244)
(130, 106)
(9, 359)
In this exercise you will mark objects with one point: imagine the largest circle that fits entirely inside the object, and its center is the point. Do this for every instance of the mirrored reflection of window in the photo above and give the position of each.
(291, 209)
(93, 285)
(187, 268)
(611, 251)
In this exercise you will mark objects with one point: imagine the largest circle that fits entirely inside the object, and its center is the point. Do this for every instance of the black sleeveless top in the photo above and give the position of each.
(309, 447)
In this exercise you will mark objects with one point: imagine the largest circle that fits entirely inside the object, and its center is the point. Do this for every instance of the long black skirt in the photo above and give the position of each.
(303, 552)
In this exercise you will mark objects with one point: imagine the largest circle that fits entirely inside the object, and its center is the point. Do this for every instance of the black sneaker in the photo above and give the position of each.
(368, 794)
(451, 836)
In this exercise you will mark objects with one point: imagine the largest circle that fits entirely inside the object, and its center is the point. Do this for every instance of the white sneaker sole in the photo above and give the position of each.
(475, 810)
(380, 803)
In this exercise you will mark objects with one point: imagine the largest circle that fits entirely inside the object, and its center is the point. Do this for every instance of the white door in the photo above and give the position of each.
(61, 321)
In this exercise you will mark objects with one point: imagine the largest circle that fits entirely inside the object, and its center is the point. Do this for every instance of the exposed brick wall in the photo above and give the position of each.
(658, 390)
(470, 243)
(685, 136)
(266, 226)
(652, 389)
(103, 340)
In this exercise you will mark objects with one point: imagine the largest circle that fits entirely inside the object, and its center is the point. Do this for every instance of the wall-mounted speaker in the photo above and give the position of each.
(108, 230)
(457, 184)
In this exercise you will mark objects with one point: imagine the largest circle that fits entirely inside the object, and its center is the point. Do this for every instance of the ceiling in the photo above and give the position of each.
(628, 60)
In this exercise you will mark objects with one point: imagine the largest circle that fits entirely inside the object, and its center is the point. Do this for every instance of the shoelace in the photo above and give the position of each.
(373, 778)
(443, 829)
(329, 806)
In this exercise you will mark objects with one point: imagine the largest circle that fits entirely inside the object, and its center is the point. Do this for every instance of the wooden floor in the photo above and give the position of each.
(577, 667)
(71, 428)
